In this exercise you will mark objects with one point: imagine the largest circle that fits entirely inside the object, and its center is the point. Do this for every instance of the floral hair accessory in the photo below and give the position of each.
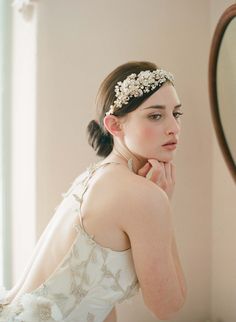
(135, 85)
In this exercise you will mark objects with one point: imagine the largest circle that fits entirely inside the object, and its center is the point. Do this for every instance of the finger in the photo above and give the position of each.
(159, 179)
(157, 167)
(162, 164)
(173, 172)
(154, 163)
(155, 174)
(163, 180)
(144, 170)
(167, 166)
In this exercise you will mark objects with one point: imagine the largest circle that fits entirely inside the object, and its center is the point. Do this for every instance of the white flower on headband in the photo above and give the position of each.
(136, 85)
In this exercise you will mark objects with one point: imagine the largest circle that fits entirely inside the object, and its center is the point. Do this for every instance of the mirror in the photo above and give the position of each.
(222, 85)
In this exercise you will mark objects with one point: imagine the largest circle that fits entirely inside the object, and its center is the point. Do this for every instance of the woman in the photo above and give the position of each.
(113, 234)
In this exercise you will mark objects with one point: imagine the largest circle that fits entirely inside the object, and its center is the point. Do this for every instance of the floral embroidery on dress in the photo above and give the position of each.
(107, 273)
(37, 309)
(78, 292)
(90, 317)
(131, 290)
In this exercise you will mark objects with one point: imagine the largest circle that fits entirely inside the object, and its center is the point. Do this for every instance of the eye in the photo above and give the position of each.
(158, 116)
(177, 114)
(154, 116)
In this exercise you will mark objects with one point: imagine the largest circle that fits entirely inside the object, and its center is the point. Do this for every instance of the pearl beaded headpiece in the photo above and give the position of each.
(136, 85)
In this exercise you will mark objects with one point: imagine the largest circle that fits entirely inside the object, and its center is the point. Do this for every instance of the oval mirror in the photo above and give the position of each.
(222, 85)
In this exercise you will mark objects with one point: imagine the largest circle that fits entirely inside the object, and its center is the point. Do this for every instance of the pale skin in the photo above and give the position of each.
(152, 134)
(140, 135)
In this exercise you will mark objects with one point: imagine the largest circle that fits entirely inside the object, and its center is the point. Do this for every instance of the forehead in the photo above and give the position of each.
(166, 95)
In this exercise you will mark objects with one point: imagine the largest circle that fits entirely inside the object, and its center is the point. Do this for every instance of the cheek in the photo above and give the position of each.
(148, 132)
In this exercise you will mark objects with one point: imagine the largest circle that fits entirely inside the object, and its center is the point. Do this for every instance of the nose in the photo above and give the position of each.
(172, 126)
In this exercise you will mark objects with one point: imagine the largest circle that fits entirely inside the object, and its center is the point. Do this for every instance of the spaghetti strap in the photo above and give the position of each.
(91, 170)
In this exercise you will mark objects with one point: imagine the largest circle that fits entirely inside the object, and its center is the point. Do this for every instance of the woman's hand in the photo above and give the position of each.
(161, 173)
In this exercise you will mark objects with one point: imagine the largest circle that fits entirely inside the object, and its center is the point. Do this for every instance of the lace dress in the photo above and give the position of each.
(88, 281)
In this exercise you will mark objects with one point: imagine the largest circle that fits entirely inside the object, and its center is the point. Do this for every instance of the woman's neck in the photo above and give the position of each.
(124, 155)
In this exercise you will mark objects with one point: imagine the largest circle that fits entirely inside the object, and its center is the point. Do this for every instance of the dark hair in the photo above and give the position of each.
(98, 137)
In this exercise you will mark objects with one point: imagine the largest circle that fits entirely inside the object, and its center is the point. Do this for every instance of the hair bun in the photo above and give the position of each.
(100, 141)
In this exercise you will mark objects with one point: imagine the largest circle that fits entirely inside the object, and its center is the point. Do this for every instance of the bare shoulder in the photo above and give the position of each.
(130, 195)
(140, 186)
(125, 199)
(139, 197)
(122, 180)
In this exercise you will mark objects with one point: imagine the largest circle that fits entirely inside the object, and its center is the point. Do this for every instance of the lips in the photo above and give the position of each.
(169, 146)
(171, 142)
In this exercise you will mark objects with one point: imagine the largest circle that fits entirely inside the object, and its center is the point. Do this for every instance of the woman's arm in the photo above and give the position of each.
(112, 316)
(165, 175)
(178, 267)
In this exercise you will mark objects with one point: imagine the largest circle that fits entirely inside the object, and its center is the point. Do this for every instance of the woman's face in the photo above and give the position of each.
(152, 124)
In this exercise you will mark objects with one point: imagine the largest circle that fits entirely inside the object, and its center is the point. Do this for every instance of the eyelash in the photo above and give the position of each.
(151, 116)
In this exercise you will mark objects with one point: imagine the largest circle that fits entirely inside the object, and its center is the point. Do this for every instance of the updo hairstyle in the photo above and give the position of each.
(98, 137)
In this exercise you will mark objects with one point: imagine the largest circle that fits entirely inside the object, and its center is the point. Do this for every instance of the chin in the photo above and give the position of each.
(164, 158)
(161, 158)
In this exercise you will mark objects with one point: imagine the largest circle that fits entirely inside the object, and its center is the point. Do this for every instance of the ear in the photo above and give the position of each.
(113, 125)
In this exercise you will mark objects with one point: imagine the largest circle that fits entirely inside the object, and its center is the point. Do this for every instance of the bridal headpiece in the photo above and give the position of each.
(135, 85)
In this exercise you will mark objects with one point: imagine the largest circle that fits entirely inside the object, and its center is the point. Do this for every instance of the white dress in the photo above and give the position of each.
(88, 280)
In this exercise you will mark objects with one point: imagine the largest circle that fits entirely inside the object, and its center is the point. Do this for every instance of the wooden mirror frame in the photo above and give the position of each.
(222, 25)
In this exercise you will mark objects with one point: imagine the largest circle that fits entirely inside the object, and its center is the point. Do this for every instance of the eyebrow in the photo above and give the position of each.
(162, 107)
